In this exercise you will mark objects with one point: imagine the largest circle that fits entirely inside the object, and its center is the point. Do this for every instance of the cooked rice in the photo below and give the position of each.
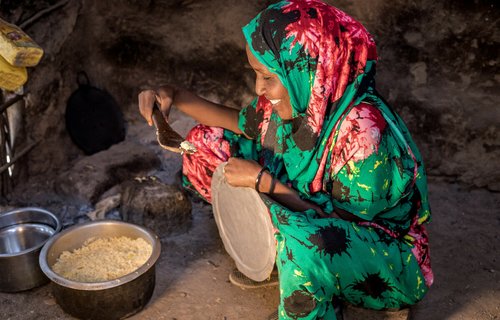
(103, 259)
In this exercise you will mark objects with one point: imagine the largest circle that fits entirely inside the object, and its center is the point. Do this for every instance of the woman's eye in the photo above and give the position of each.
(266, 78)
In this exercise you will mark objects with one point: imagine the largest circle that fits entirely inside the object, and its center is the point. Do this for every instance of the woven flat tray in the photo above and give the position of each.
(245, 227)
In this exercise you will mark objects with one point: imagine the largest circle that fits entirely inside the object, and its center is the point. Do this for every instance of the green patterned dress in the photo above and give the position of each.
(345, 149)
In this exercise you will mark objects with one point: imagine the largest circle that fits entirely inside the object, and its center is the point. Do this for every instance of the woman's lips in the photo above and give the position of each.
(274, 101)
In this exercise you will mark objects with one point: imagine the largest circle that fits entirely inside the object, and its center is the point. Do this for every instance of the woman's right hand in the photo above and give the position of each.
(164, 96)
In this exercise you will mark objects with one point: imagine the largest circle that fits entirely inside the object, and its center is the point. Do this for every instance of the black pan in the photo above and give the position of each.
(94, 120)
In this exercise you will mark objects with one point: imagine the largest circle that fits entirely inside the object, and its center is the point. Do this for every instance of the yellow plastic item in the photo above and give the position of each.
(17, 47)
(11, 78)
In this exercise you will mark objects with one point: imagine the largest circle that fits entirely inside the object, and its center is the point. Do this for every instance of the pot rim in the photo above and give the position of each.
(57, 229)
(91, 286)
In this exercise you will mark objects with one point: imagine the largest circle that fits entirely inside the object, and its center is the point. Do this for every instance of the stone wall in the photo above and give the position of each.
(438, 66)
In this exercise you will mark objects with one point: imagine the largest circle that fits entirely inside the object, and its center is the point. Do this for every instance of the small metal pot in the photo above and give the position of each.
(114, 299)
(23, 232)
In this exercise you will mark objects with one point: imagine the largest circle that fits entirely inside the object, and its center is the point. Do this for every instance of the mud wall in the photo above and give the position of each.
(438, 66)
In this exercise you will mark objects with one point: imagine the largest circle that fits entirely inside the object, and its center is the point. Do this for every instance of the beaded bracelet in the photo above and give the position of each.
(259, 175)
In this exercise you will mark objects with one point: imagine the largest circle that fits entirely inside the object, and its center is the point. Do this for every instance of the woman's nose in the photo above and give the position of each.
(260, 88)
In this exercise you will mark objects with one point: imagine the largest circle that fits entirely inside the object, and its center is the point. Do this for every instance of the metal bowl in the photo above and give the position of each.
(114, 299)
(23, 232)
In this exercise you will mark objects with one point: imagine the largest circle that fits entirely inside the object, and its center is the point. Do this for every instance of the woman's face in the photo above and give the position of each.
(268, 84)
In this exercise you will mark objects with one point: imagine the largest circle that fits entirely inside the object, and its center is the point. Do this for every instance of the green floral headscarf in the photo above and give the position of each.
(326, 60)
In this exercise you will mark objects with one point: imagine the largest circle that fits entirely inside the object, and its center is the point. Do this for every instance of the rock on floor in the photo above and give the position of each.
(93, 175)
(163, 208)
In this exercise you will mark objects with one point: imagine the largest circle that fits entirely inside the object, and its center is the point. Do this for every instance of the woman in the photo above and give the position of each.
(347, 182)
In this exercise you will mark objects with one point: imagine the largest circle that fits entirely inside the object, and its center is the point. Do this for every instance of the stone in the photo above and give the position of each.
(414, 39)
(161, 207)
(419, 72)
(93, 175)
(104, 206)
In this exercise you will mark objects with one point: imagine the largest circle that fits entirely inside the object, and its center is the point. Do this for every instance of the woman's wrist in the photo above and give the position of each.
(171, 90)
(267, 183)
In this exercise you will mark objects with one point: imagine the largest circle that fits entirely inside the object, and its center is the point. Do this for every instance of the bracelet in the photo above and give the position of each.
(259, 175)
(273, 185)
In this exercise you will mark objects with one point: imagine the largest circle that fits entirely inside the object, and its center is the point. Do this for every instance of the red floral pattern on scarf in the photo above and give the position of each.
(358, 136)
(342, 53)
(356, 139)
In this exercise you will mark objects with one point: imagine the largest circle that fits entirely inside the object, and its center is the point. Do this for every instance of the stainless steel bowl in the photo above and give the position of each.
(114, 299)
(23, 232)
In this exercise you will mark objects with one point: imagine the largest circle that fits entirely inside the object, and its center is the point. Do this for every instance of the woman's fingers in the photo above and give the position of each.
(165, 99)
(146, 103)
(240, 172)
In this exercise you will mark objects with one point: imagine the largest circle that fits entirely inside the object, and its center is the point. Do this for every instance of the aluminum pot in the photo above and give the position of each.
(114, 299)
(23, 232)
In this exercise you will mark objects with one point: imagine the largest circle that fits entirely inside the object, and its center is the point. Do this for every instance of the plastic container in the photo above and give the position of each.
(11, 78)
(17, 48)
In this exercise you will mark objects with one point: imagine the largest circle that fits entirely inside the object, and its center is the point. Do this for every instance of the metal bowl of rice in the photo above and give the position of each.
(95, 296)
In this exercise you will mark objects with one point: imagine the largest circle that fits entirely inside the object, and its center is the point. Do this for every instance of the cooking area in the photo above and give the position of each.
(78, 163)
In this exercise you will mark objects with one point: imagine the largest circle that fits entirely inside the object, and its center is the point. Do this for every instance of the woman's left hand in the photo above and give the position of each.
(241, 173)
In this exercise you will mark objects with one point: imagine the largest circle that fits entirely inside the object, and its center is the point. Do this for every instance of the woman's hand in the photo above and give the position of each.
(241, 173)
(164, 96)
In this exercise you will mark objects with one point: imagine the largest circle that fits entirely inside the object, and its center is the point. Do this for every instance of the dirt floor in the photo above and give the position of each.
(192, 272)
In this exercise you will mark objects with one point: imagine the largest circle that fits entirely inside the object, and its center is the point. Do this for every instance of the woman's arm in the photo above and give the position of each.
(243, 173)
(203, 111)
(289, 198)
(206, 112)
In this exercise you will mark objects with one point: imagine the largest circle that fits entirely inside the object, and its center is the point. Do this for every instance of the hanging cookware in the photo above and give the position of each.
(94, 120)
